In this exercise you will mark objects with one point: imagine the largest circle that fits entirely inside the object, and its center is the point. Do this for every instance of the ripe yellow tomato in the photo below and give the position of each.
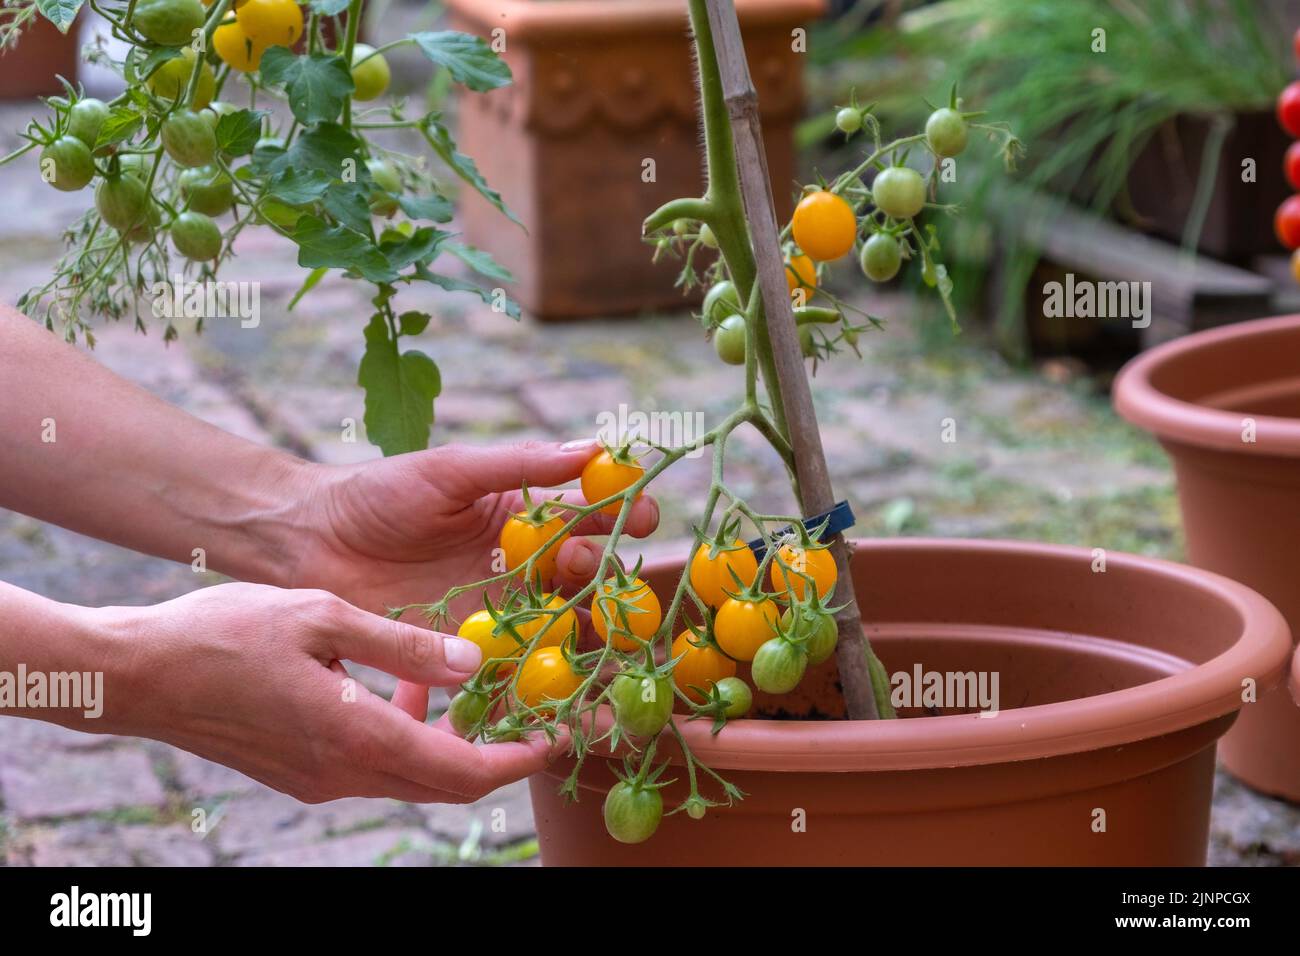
(712, 579)
(546, 676)
(236, 48)
(522, 536)
(817, 563)
(824, 225)
(478, 628)
(606, 475)
(555, 629)
(742, 627)
(702, 667)
(270, 22)
(801, 273)
(644, 614)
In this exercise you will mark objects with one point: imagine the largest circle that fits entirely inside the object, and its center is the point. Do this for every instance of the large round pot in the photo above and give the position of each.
(1225, 404)
(1114, 686)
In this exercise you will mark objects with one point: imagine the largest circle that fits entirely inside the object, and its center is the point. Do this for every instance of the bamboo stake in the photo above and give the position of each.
(815, 490)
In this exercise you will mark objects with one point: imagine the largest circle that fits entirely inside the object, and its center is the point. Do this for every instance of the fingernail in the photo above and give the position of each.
(583, 564)
(578, 444)
(461, 655)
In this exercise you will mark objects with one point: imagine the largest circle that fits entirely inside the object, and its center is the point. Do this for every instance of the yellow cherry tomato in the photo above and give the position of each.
(824, 225)
(801, 273)
(546, 676)
(170, 81)
(742, 627)
(270, 22)
(606, 475)
(236, 48)
(643, 614)
(370, 74)
(478, 627)
(1295, 265)
(817, 563)
(712, 579)
(555, 629)
(522, 536)
(701, 666)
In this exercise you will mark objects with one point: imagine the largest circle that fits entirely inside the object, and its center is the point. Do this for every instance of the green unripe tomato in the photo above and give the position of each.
(138, 165)
(899, 191)
(86, 118)
(466, 710)
(778, 666)
(642, 705)
(849, 120)
(168, 22)
(729, 340)
(817, 631)
(681, 227)
(207, 190)
(881, 257)
(188, 140)
(946, 132)
(707, 237)
(143, 230)
(739, 698)
(371, 78)
(171, 80)
(196, 236)
(121, 201)
(383, 201)
(632, 813)
(721, 301)
(66, 164)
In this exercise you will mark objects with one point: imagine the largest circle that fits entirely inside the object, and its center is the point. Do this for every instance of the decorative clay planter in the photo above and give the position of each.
(1113, 688)
(600, 87)
(42, 55)
(1226, 406)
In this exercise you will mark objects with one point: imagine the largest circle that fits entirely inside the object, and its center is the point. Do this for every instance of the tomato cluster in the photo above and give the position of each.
(1286, 221)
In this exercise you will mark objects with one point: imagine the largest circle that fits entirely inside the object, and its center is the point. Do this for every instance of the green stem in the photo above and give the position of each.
(349, 44)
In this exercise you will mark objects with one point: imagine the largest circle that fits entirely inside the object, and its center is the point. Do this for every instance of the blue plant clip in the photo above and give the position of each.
(838, 519)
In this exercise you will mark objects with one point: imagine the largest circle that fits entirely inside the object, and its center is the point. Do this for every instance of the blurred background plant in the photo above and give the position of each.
(1096, 86)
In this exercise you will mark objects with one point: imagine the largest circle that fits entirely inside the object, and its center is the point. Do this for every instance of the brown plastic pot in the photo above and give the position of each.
(599, 88)
(1201, 396)
(1114, 688)
(41, 56)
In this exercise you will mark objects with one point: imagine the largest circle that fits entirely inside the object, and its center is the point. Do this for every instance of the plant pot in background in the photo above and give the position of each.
(1240, 499)
(1114, 688)
(32, 67)
(599, 88)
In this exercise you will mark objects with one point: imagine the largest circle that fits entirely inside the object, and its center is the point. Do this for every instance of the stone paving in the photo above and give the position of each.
(1037, 455)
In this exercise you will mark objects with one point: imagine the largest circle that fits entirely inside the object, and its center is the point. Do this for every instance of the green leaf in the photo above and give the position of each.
(324, 147)
(309, 283)
(480, 261)
(121, 125)
(400, 389)
(147, 65)
(297, 187)
(338, 247)
(328, 8)
(317, 83)
(238, 132)
(413, 323)
(440, 142)
(59, 12)
(468, 58)
(349, 204)
(489, 296)
(433, 208)
(421, 246)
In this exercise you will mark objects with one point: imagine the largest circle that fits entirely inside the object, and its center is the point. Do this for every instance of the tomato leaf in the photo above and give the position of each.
(480, 261)
(400, 389)
(440, 142)
(433, 208)
(421, 246)
(349, 204)
(238, 132)
(467, 58)
(413, 323)
(320, 244)
(296, 187)
(120, 125)
(317, 83)
(492, 297)
(147, 65)
(309, 283)
(60, 12)
(324, 147)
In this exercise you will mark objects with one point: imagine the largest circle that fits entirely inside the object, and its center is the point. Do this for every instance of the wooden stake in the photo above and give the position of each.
(815, 489)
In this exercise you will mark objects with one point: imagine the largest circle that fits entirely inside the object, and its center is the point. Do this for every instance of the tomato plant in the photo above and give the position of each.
(525, 537)
(632, 812)
(628, 609)
(796, 564)
(700, 666)
(719, 571)
(744, 623)
(642, 703)
(824, 225)
(546, 677)
(779, 666)
(610, 473)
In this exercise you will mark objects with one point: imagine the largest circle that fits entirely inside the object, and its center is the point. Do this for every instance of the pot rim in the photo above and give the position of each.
(1141, 403)
(1186, 699)
(528, 19)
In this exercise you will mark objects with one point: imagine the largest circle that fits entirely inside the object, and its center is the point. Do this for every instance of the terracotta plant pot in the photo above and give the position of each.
(1201, 396)
(42, 55)
(600, 87)
(1113, 686)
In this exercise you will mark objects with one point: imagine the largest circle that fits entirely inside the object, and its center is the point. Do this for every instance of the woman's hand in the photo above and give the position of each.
(249, 676)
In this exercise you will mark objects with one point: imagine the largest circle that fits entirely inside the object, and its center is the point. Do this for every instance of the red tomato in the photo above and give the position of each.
(1286, 222)
(1291, 165)
(1288, 109)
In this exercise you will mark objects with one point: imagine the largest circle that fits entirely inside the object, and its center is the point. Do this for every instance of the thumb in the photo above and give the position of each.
(469, 472)
(410, 653)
